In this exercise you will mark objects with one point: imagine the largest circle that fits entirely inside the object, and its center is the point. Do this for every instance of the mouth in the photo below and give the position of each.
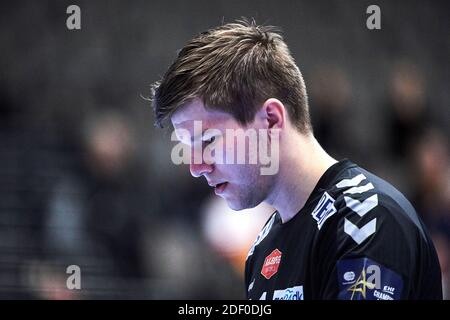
(220, 187)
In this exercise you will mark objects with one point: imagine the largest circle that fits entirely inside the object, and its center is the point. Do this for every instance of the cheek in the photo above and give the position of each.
(236, 173)
(248, 175)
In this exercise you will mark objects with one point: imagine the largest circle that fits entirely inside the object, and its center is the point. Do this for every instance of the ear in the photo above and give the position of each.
(274, 113)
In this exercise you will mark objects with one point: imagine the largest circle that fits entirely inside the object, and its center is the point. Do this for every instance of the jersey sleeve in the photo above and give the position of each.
(369, 251)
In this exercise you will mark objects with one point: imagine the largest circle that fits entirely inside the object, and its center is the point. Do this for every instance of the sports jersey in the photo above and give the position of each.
(356, 237)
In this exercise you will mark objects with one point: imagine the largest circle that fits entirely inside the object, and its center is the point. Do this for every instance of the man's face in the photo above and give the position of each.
(240, 184)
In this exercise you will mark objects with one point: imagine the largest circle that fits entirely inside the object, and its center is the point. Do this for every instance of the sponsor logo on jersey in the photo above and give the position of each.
(324, 209)
(271, 264)
(349, 276)
(294, 293)
(365, 279)
(385, 294)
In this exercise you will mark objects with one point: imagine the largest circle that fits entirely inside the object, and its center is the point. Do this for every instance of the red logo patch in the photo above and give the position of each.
(271, 264)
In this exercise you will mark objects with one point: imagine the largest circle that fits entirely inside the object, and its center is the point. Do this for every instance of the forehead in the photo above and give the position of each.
(195, 111)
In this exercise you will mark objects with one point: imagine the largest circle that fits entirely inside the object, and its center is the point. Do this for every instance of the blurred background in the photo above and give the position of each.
(85, 178)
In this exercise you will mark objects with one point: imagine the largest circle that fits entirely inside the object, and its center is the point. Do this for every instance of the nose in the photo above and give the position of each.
(198, 166)
(197, 170)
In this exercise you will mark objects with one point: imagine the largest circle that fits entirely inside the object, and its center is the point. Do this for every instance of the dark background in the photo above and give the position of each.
(86, 179)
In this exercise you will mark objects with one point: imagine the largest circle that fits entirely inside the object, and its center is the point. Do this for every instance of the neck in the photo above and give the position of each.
(303, 166)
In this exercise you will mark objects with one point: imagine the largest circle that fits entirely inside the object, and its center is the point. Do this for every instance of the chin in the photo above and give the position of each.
(235, 205)
(239, 205)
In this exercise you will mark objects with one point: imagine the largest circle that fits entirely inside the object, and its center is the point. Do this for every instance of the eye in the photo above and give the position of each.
(210, 140)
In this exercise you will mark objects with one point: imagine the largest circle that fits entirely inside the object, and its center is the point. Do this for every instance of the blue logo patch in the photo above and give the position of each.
(365, 279)
(324, 209)
(294, 293)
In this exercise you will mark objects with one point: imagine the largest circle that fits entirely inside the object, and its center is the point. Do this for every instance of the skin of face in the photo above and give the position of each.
(245, 186)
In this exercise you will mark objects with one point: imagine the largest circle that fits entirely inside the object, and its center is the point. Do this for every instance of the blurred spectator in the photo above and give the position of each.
(231, 233)
(186, 267)
(442, 244)
(330, 99)
(96, 214)
(407, 113)
(431, 173)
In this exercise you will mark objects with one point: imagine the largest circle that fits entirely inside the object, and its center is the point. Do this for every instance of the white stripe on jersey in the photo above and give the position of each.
(353, 182)
(360, 234)
(361, 189)
(361, 208)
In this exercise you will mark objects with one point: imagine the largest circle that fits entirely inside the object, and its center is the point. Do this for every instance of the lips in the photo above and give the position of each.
(220, 187)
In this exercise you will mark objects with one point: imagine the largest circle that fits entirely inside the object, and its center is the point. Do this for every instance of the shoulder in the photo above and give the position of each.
(367, 209)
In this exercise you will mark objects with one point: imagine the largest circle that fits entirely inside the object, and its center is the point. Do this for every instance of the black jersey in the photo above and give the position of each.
(357, 237)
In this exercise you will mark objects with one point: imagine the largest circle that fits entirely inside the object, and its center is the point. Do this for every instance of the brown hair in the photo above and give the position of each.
(234, 68)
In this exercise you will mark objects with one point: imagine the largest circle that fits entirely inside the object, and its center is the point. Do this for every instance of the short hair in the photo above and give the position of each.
(234, 68)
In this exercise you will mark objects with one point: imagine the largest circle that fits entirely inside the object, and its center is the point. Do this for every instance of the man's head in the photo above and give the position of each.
(236, 76)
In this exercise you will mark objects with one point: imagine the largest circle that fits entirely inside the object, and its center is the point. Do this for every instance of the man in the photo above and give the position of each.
(338, 232)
